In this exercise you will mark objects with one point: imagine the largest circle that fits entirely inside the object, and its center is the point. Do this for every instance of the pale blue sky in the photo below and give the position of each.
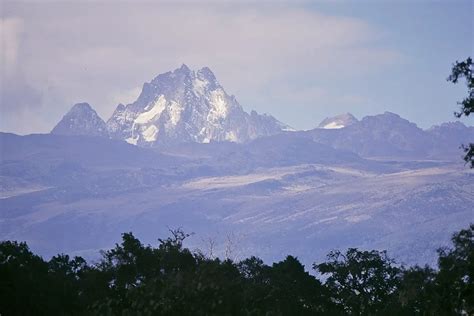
(299, 61)
(430, 35)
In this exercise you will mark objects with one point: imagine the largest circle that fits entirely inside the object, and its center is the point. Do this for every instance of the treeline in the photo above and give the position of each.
(135, 279)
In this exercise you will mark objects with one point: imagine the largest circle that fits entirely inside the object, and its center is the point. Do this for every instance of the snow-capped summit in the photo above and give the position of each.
(187, 106)
(81, 120)
(338, 121)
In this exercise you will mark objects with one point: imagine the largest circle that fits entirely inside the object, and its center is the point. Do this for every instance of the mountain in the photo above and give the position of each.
(302, 193)
(283, 194)
(455, 133)
(383, 135)
(338, 121)
(187, 106)
(390, 136)
(449, 137)
(80, 164)
(81, 120)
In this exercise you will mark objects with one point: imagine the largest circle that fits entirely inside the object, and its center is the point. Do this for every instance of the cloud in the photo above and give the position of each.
(20, 103)
(125, 97)
(21, 107)
(10, 30)
(90, 51)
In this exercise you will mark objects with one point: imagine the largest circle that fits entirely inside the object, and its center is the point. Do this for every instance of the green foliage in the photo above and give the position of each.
(31, 286)
(461, 70)
(469, 154)
(137, 279)
(417, 293)
(361, 282)
(456, 274)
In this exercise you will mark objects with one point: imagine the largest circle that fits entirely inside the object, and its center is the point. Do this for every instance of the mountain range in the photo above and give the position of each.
(178, 106)
(186, 154)
(186, 106)
(388, 135)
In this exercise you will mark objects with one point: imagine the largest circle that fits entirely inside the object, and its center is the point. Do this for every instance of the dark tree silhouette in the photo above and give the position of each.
(417, 294)
(464, 70)
(293, 290)
(456, 274)
(137, 279)
(361, 282)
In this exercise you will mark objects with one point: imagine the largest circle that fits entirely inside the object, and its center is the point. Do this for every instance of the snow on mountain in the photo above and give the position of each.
(389, 135)
(383, 135)
(188, 106)
(81, 120)
(338, 121)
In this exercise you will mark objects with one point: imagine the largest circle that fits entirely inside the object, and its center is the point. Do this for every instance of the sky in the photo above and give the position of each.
(299, 61)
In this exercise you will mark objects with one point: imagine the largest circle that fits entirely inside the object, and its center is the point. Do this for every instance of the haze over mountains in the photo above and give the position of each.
(186, 154)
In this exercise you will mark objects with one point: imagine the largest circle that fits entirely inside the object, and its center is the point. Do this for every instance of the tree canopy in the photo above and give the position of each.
(137, 279)
(461, 70)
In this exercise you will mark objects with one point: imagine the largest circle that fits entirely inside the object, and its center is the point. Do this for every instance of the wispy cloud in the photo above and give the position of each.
(10, 30)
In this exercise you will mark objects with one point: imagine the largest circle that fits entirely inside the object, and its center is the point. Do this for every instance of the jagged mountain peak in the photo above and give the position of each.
(388, 120)
(184, 68)
(207, 74)
(449, 125)
(81, 119)
(387, 115)
(121, 107)
(187, 106)
(83, 106)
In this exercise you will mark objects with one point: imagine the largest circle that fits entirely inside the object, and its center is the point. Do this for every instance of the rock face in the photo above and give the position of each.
(339, 121)
(382, 135)
(450, 136)
(81, 120)
(187, 106)
(454, 132)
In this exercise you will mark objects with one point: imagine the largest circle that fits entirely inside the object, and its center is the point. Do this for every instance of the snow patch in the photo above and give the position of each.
(287, 128)
(150, 133)
(175, 110)
(231, 136)
(156, 110)
(333, 125)
(132, 140)
(219, 107)
(199, 86)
